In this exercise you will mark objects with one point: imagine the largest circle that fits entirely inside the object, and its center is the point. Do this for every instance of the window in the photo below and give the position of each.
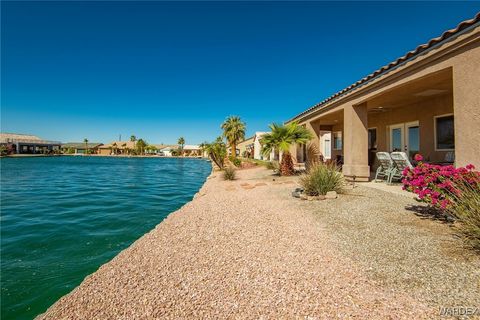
(444, 133)
(372, 139)
(337, 140)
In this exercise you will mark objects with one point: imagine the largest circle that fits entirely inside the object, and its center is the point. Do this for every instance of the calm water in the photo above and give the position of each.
(63, 217)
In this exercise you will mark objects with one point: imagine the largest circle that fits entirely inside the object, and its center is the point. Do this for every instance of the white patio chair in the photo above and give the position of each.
(386, 165)
(401, 161)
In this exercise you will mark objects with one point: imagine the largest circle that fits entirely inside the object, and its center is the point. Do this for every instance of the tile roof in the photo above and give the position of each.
(467, 24)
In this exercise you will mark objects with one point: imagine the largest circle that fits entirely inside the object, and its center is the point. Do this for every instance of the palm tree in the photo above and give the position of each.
(181, 142)
(133, 139)
(280, 139)
(234, 130)
(141, 144)
(86, 145)
(203, 147)
(217, 151)
(114, 145)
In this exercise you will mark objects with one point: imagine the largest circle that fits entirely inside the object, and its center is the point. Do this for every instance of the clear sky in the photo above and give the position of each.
(160, 70)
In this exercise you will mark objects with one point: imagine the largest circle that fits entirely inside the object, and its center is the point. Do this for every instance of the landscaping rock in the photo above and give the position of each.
(303, 196)
(331, 195)
(321, 197)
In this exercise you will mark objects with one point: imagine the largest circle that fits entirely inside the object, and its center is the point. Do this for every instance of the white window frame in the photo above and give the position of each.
(333, 140)
(435, 130)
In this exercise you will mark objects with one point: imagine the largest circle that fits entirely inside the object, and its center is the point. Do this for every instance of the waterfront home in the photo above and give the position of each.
(81, 148)
(427, 102)
(245, 148)
(168, 151)
(192, 150)
(116, 147)
(257, 148)
(17, 143)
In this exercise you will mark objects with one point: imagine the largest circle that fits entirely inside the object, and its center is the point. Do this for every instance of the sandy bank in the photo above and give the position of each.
(241, 249)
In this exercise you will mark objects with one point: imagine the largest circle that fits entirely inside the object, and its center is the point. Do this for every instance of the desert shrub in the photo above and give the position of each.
(236, 162)
(438, 185)
(322, 178)
(229, 173)
(273, 165)
(466, 207)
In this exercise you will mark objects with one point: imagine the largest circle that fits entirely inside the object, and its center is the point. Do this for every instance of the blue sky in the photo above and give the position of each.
(161, 70)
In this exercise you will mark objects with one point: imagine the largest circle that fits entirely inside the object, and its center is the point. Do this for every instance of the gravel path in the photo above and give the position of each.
(247, 249)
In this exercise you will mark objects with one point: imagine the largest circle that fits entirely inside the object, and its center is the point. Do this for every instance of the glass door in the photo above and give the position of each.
(405, 137)
(412, 131)
(397, 137)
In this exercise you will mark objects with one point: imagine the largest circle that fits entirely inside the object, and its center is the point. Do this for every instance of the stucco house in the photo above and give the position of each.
(245, 148)
(18, 143)
(427, 102)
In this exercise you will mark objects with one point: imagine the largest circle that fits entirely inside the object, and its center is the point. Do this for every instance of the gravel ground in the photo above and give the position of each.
(247, 249)
(400, 249)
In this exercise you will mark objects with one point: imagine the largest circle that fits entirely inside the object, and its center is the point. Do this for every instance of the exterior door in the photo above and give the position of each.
(326, 144)
(405, 137)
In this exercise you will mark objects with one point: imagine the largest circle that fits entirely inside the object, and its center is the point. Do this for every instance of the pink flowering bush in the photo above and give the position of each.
(438, 185)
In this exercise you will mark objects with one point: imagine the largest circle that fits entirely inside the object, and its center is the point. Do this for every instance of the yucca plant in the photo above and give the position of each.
(322, 178)
(466, 207)
(229, 173)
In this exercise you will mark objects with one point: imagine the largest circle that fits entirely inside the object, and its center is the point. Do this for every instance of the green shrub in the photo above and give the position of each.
(466, 207)
(236, 162)
(322, 178)
(229, 173)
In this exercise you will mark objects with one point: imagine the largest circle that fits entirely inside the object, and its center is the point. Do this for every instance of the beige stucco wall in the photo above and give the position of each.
(423, 112)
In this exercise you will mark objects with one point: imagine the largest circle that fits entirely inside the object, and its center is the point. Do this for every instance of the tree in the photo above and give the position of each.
(114, 146)
(280, 139)
(203, 147)
(141, 144)
(133, 139)
(217, 151)
(181, 142)
(234, 132)
(86, 145)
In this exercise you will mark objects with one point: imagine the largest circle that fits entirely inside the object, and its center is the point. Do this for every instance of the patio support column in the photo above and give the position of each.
(355, 143)
(466, 106)
(314, 128)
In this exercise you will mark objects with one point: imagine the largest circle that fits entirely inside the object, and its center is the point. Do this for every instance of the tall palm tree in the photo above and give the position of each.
(141, 144)
(114, 145)
(203, 147)
(86, 145)
(133, 139)
(281, 138)
(234, 131)
(181, 142)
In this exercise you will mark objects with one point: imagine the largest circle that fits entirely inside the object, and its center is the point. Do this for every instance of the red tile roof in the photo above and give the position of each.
(467, 24)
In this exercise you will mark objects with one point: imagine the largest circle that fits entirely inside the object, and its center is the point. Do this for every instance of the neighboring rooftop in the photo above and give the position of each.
(81, 145)
(23, 138)
(446, 36)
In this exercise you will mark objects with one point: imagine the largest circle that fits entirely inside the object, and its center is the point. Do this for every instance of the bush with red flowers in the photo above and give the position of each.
(438, 185)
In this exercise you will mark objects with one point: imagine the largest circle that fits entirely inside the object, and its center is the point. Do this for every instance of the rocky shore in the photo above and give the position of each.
(248, 249)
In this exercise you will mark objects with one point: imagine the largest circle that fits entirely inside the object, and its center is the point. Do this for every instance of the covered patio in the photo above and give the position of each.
(426, 102)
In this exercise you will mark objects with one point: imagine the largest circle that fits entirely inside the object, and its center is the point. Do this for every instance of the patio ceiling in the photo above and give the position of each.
(428, 87)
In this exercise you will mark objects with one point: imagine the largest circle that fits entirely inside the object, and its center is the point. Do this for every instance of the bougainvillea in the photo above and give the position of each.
(437, 185)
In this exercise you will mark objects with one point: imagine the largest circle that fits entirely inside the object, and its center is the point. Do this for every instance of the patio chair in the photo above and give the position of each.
(400, 160)
(386, 165)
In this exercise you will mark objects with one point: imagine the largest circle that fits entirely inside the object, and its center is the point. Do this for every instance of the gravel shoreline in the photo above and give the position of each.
(247, 249)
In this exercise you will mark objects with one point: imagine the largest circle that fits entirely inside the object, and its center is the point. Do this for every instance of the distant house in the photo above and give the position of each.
(192, 150)
(426, 102)
(167, 151)
(245, 148)
(80, 148)
(257, 148)
(116, 147)
(17, 143)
